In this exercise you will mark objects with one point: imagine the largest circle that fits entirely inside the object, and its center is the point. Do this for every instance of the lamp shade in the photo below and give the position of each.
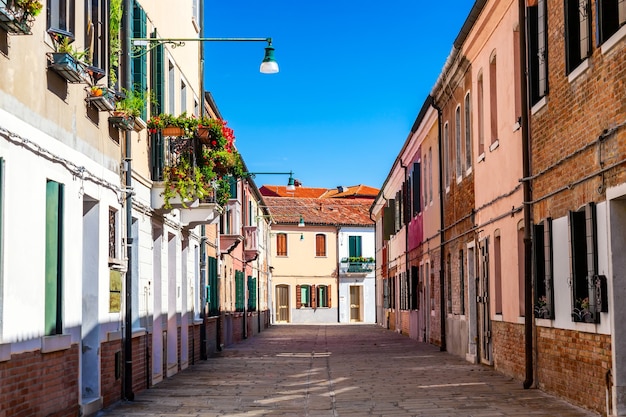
(269, 64)
(301, 222)
(291, 184)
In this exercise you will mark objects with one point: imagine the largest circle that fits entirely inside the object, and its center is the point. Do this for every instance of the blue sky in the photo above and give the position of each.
(353, 77)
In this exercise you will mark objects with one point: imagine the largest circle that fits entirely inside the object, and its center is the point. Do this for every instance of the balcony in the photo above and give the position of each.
(201, 213)
(356, 266)
(14, 19)
(250, 242)
(102, 98)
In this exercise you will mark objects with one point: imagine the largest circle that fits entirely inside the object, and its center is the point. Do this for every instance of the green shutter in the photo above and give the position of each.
(158, 78)
(54, 250)
(139, 64)
(232, 181)
(239, 291)
(354, 246)
(251, 293)
(212, 296)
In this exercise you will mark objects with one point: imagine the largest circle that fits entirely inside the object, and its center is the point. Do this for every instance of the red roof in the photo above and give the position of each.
(320, 211)
(355, 191)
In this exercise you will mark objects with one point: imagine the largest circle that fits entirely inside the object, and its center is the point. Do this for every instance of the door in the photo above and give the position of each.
(482, 298)
(282, 304)
(355, 303)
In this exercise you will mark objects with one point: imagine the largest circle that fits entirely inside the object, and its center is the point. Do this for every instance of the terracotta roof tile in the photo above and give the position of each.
(320, 211)
(355, 191)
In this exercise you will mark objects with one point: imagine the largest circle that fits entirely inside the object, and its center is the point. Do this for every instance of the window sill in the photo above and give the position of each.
(578, 71)
(613, 40)
(494, 145)
(538, 106)
(55, 343)
(468, 172)
(459, 179)
(481, 158)
(5, 352)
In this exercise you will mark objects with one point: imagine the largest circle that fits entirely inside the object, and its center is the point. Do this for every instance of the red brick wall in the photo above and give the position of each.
(194, 344)
(110, 386)
(405, 322)
(36, 384)
(573, 365)
(237, 327)
(508, 348)
(140, 371)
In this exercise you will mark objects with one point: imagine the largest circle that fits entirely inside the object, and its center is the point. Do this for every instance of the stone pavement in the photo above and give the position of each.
(339, 370)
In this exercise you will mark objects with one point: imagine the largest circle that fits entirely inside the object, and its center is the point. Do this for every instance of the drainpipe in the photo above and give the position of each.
(442, 294)
(203, 239)
(128, 319)
(375, 270)
(406, 233)
(528, 279)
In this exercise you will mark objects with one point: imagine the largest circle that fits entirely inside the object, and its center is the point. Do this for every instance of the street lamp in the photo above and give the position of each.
(291, 183)
(141, 46)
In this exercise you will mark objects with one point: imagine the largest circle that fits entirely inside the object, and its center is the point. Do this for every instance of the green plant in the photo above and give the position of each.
(64, 46)
(115, 45)
(133, 102)
(30, 7)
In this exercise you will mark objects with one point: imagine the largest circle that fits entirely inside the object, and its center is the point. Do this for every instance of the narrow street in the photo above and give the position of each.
(339, 370)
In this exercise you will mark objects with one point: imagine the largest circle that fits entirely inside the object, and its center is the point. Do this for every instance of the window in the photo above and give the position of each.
(313, 296)
(415, 285)
(115, 291)
(537, 51)
(252, 291)
(183, 96)
(323, 296)
(54, 259)
(239, 291)
(61, 17)
(577, 32)
(493, 97)
(497, 255)
(542, 259)
(139, 65)
(462, 282)
(446, 154)
(481, 115)
(212, 296)
(458, 141)
(521, 269)
(416, 179)
(195, 14)
(157, 78)
(468, 132)
(584, 263)
(430, 173)
(425, 180)
(404, 291)
(449, 283)
(97, 32)
(354, 246)
(112, 233)
(612, 16)
(170, 80)
(320, 245)
(281, 244)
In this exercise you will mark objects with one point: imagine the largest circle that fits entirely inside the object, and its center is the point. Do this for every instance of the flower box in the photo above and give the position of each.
(173, 131)
(68, 67)
(14, 19)
(122, 121)
(157, 199)
(101, 98)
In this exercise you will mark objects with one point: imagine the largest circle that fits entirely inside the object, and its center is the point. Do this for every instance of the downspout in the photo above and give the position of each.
(442, 295)
(406, 232)
(203, 239)
(128, 319)
(375, 269)
(528, 279)
(339, 278)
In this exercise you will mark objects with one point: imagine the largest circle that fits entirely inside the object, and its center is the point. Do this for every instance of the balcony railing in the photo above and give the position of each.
(357, 265)
(14, 19)
(251, 241)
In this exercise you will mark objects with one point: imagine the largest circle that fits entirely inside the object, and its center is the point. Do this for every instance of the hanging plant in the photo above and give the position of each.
(115, 45)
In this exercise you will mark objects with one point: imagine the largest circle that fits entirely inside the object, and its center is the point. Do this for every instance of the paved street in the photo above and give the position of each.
(361, 370)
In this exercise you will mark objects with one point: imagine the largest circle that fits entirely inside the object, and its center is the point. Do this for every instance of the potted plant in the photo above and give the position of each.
(128, 108)
(101, 98)
(17, 16)
(67, 61)
(170, 125)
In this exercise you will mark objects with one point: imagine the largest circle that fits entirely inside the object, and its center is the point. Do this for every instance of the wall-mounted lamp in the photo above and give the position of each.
(301, 236)
(291, 183)
(268, 66)
(301, 222)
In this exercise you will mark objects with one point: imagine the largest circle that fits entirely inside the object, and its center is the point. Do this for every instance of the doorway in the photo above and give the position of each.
(484, 317)
(356, 312)
(282, 304)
